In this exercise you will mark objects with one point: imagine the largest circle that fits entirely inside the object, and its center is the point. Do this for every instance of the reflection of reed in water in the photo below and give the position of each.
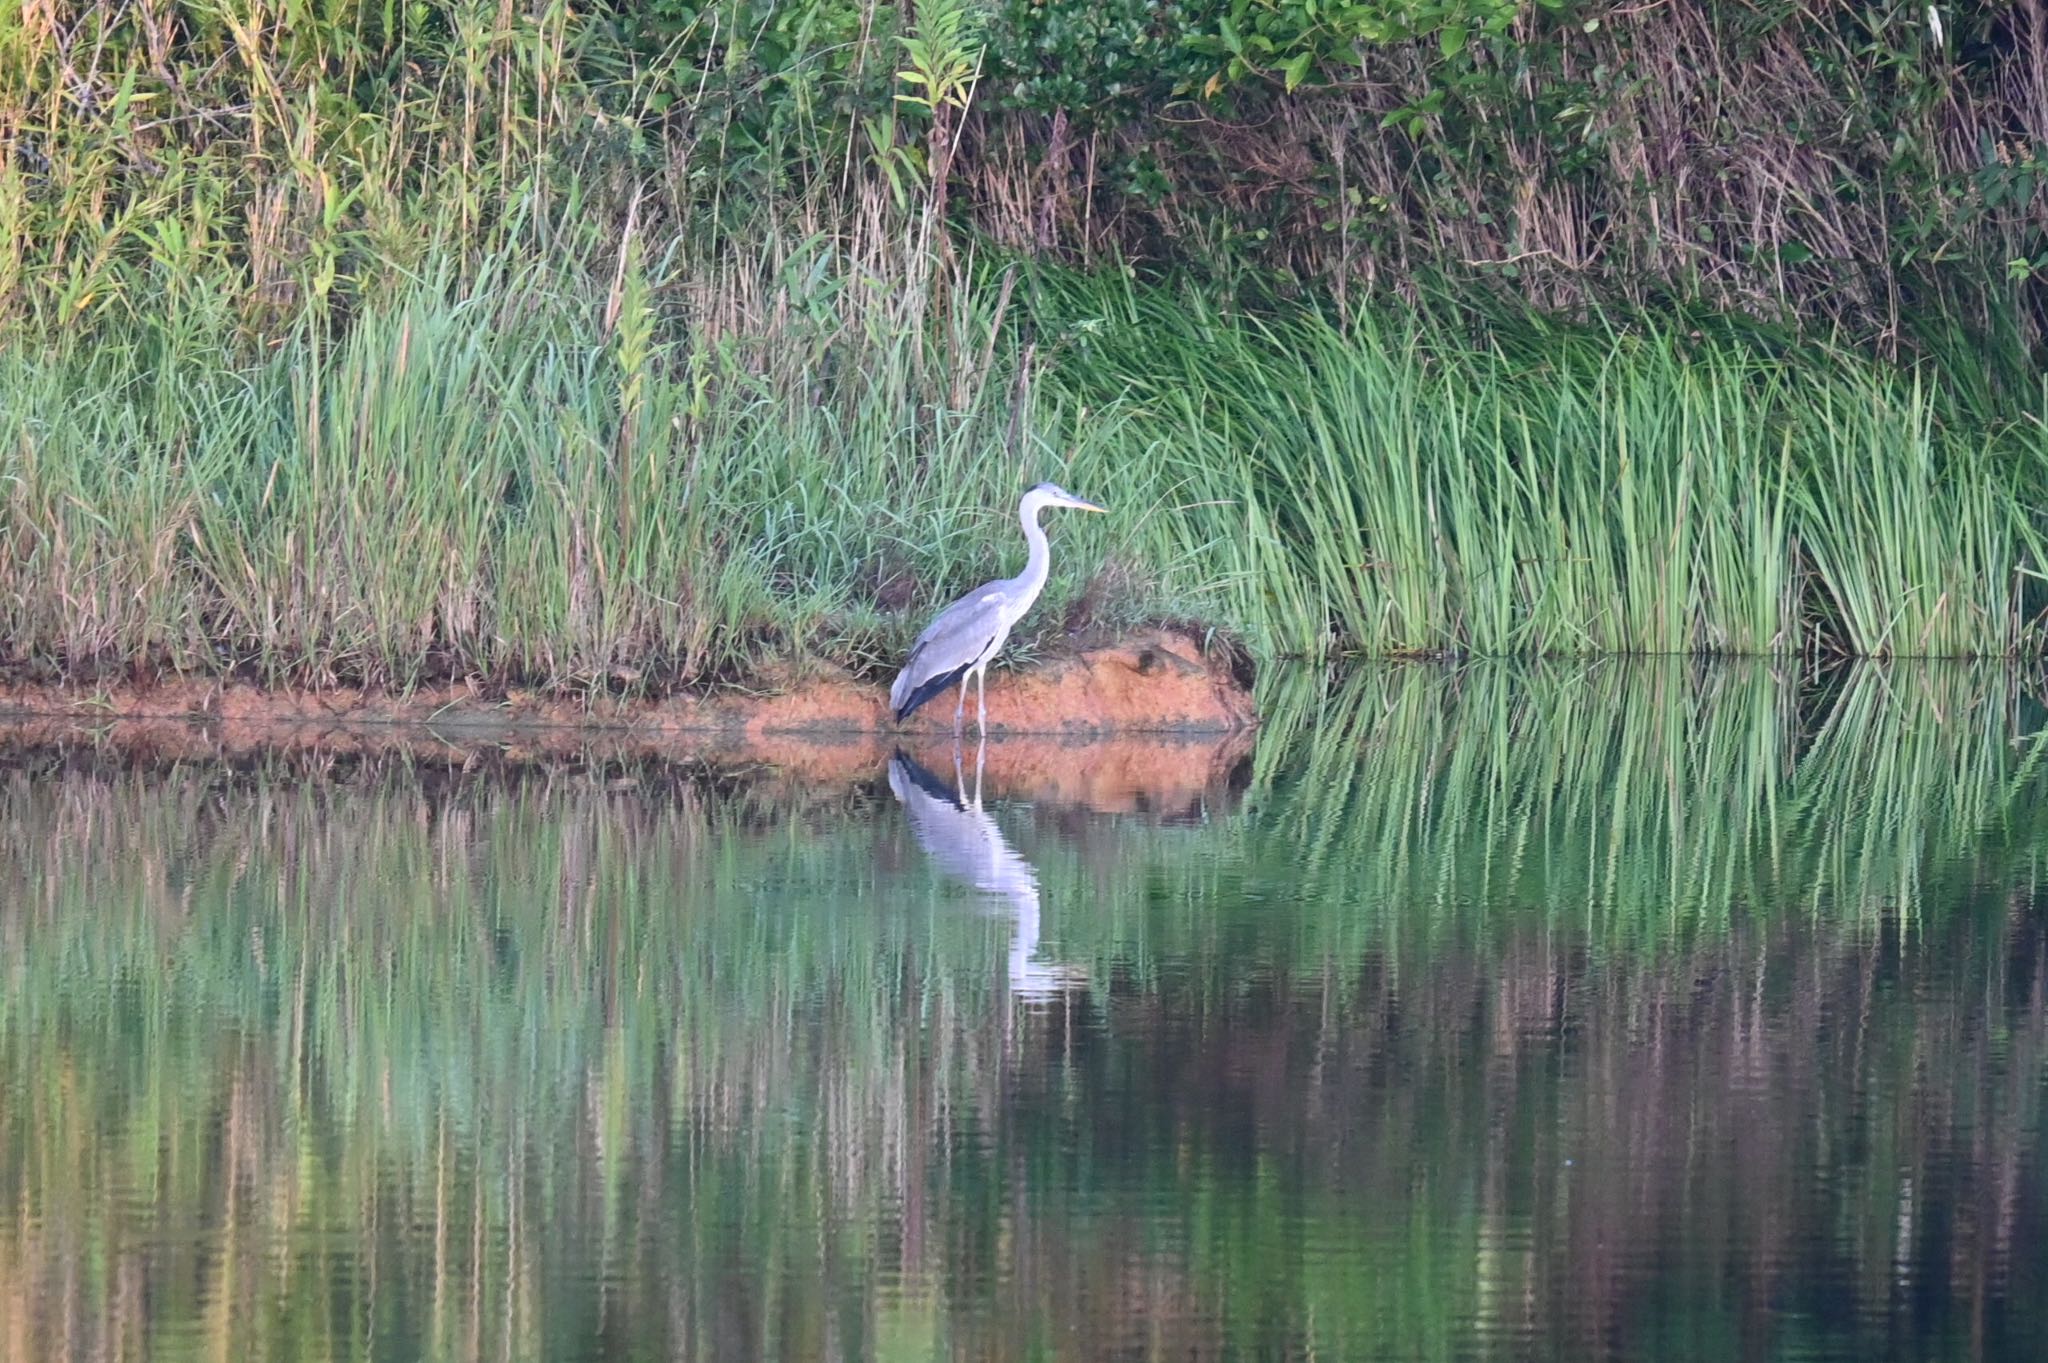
(1691, 989)
(962, 839)
(1657, 795)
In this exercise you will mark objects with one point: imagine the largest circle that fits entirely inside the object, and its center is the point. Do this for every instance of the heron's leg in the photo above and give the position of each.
(960, 710)
(981, 696)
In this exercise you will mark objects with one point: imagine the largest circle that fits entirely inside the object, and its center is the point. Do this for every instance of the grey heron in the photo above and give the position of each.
(963, 841)
(966, 636)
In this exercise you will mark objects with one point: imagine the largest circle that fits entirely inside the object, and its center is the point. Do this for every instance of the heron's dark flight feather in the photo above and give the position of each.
(930, 687)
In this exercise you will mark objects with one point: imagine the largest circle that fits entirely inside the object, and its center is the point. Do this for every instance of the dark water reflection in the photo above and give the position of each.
(1631, 1013)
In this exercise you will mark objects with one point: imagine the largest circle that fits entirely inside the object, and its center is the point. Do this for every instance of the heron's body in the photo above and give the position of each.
(964, 639)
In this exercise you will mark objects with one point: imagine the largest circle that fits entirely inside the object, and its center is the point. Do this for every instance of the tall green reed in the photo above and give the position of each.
(695, 467)
(1525, 488)
(507, 478)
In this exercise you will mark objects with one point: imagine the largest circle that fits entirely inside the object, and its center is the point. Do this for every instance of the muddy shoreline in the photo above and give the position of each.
(1147, 725)
(1158, 682)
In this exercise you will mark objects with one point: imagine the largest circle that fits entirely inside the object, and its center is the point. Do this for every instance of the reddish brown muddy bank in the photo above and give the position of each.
(1156, 683)
(1147, 723)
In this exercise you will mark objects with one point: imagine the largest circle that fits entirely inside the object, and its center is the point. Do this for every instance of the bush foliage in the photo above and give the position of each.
(1869, 165)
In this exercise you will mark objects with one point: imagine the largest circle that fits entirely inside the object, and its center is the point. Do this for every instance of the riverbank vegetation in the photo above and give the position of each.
(634, 346)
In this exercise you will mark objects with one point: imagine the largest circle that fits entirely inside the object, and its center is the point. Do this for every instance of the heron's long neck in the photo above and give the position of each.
(1031, 581)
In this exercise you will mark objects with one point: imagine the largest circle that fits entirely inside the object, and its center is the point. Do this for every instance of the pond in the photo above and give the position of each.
(1642, 1010)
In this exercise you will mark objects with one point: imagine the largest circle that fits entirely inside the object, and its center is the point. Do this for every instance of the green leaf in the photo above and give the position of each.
(1296, 70)
(1451, 39)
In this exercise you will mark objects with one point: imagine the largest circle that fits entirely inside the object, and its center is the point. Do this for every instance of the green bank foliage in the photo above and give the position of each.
(1833, 159)
(721, 1042)
(636, 345)
(1840, 159)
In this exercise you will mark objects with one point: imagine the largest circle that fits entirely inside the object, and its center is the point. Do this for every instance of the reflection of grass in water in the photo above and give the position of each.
(1649, 795)
(693, 1039)
(381, 985)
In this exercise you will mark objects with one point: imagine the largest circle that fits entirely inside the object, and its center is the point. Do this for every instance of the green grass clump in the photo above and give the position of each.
(1520, 488)
(493, 478)
(533, 473)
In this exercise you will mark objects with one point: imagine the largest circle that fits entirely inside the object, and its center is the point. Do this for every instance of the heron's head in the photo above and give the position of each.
(1052, 494)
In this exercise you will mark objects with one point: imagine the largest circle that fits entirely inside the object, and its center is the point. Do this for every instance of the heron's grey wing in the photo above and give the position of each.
(980, 607)
(959, 635)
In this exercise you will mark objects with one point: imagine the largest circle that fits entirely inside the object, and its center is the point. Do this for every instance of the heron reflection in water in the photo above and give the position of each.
(963, 841)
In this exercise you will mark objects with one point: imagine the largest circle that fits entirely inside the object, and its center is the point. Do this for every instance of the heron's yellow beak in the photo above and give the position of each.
(1080, 505)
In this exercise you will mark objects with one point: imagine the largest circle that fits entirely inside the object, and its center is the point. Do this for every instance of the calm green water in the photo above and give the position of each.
(1625, 1012)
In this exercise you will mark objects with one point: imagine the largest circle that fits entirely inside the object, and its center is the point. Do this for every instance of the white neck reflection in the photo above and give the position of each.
(962, 839)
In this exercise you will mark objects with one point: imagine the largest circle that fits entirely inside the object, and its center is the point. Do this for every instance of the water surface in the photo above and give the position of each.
(1617, 1012)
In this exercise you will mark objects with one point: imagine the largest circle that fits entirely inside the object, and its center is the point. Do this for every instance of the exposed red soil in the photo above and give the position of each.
(1158, 682)
(1155, 774)
(1147, 725)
